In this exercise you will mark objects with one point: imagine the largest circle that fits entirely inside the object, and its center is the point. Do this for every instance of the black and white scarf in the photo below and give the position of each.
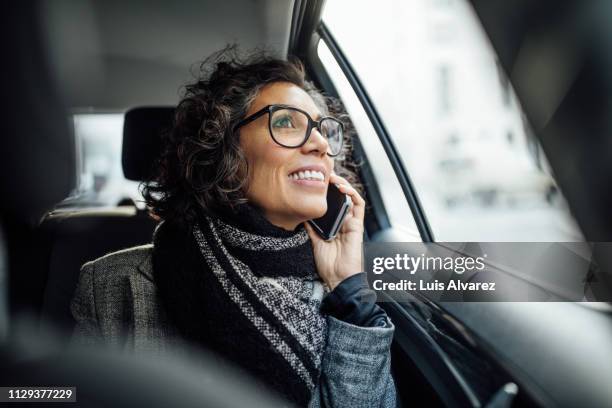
(249, 290)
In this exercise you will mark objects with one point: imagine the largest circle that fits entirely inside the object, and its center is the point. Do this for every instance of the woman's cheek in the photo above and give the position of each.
(266, 190)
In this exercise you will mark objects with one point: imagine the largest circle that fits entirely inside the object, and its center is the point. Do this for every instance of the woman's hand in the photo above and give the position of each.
(341, 257)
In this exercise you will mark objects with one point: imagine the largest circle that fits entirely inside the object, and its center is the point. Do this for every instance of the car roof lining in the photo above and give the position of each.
(113, 55)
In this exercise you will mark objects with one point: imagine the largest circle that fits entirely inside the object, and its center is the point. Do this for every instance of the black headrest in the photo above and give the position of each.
(37, 168)
(142, 130)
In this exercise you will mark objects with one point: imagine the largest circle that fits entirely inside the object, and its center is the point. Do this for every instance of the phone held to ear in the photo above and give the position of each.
(338, 205)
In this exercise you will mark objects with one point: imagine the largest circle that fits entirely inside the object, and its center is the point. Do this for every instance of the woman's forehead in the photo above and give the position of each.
(285, 93)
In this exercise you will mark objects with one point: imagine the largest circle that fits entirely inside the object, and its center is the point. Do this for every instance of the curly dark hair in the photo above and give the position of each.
(202, 166)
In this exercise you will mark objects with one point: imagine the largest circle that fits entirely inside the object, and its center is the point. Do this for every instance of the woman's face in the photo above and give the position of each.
(285, 201)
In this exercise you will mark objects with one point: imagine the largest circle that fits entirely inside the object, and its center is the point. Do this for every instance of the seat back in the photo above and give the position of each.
(76, 237)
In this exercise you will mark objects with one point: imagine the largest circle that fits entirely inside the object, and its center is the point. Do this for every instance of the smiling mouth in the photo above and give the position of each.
(313, 175)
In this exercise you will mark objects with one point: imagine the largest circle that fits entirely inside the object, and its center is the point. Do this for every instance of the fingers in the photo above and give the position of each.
(345, 187)
(358, 204)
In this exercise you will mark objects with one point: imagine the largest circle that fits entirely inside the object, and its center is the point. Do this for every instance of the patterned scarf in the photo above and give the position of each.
(249, 290)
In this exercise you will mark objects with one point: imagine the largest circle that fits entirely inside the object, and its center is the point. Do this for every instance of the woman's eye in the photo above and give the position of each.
(283, 122)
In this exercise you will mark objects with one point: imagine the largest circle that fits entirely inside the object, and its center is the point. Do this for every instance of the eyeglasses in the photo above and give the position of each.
(291, 127)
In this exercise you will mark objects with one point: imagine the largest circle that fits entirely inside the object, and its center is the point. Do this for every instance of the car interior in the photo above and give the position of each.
(131, 58)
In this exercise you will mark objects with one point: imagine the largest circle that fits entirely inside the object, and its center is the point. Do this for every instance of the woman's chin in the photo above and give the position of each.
(309, 210)
(313, 213)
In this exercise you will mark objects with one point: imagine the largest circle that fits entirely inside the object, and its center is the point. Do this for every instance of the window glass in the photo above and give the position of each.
(398, 211)
(100, 175)
(433, 76)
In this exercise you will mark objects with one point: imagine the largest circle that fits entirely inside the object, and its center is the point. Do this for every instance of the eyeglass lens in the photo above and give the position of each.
(289, 129)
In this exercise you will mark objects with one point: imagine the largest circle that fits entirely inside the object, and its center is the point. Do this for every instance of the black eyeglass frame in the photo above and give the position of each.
(312, 124)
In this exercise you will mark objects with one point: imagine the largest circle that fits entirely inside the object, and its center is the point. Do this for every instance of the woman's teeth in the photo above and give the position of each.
(307, 175)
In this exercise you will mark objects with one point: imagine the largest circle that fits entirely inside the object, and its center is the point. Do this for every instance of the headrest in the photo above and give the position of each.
(142, 130)
(37, 168)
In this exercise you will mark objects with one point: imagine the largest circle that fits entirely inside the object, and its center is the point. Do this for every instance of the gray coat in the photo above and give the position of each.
(115, 304)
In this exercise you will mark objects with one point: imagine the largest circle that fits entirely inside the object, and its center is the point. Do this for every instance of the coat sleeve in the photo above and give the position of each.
(356, 367)
(83, 309)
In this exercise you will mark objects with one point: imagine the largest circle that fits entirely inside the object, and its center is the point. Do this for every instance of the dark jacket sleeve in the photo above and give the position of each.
(354, 302)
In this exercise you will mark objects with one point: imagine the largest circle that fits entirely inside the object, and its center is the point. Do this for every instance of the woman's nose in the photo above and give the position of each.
(316, 142)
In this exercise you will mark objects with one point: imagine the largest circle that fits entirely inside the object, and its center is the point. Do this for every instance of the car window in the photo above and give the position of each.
(398, 211)
(433, 77)
(100, 175)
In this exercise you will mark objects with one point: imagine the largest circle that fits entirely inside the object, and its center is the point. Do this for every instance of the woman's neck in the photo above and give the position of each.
(286, 223)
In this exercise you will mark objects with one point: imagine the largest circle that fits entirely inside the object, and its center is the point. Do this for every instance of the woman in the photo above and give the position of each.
(234, 267)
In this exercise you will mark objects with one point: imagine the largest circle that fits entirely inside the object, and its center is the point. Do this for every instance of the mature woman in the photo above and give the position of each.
(234, 267)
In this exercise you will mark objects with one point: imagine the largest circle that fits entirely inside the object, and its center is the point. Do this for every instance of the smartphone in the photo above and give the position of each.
(338, 205)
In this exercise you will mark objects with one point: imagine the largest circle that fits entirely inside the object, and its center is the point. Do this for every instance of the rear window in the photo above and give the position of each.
(99, 173)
